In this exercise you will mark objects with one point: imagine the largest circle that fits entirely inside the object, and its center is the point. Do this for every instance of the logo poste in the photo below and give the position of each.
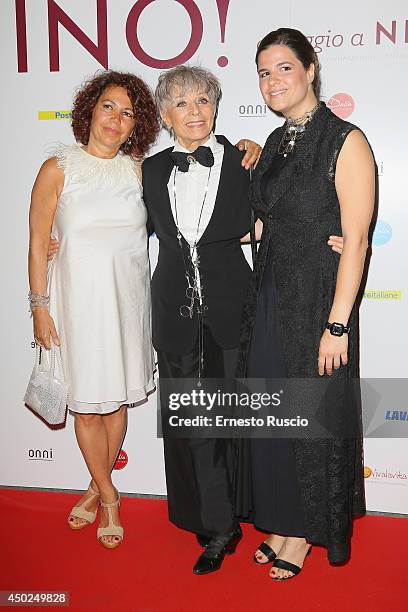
(57, 115)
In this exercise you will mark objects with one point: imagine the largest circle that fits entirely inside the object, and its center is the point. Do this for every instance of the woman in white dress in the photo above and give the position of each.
(95, 303)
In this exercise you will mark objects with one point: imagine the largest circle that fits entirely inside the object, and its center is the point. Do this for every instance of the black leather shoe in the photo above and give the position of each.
(203, 540)
(213, 556)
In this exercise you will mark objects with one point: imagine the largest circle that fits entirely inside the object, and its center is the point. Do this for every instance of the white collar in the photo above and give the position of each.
(211, 142)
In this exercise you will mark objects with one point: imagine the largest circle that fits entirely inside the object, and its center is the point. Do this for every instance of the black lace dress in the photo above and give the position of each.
(276, 502)
(300, 209)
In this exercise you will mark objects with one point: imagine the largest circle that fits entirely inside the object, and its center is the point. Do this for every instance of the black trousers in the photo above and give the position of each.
(199, 471)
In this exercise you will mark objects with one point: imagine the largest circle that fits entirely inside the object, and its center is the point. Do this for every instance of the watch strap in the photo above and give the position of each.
(344, 328)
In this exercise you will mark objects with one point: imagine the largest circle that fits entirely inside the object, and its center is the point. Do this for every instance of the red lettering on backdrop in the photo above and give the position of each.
(390, 35)
(21, 29)
(192, 46)
(222, 6)
(57, 16)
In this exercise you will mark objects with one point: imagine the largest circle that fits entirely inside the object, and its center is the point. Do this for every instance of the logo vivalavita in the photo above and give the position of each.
(342, 105)
(121, 461)
(393, 476)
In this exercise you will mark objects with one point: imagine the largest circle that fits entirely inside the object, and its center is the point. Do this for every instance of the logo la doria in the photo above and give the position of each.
(121, 461)
(342, 105)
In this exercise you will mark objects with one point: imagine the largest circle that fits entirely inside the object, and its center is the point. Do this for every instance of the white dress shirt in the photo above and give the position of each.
(190, 191)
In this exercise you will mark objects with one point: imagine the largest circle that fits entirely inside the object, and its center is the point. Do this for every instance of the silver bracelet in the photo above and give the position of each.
(38, 301)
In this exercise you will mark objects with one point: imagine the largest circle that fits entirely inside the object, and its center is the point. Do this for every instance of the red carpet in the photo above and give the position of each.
(151, 571)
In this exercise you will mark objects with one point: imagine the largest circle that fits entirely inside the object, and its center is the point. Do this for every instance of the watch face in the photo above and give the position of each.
(337, 329)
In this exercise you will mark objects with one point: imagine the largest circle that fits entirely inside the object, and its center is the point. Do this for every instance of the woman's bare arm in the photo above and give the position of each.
(46, 191)
(355, 186)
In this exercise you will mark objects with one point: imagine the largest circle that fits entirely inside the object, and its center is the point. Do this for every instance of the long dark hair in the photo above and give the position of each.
(300, 46)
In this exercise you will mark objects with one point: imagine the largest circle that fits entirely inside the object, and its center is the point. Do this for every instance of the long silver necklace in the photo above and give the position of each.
(194, 291)
(294, 131)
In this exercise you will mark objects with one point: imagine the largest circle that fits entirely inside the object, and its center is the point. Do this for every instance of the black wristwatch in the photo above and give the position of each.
(337, 329)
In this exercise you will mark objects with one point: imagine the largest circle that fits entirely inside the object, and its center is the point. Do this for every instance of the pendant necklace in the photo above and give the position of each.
(194, 291)
(294, 131)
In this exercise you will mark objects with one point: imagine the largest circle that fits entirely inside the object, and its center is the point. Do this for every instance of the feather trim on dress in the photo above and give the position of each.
(85, 168)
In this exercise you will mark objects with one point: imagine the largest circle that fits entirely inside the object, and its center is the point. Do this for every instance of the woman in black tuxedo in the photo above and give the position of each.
(199, 209)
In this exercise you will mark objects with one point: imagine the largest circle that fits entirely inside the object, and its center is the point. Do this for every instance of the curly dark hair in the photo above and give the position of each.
(144, 108)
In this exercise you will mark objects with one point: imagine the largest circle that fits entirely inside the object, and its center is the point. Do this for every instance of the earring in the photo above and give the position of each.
(129, 140)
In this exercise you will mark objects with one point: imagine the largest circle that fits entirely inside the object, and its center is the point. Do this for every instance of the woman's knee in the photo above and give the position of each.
(118, 414)
(88, 420)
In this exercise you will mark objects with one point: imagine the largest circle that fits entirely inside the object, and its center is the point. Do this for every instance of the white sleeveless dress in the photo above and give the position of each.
(99, 282)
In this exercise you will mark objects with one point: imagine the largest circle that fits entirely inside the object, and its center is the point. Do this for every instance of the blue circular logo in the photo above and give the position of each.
(382, 233)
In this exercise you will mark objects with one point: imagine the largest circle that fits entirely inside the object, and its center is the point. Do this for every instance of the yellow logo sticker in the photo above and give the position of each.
(383, 294)
(54, 115)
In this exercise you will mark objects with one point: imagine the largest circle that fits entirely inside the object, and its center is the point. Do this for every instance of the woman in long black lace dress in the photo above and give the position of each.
(315, 178)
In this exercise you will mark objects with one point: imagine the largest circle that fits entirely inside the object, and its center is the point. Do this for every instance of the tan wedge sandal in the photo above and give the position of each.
(81, 513)
(111, 529)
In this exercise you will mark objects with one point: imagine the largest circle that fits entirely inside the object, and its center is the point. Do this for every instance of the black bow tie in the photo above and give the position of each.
(202, 155)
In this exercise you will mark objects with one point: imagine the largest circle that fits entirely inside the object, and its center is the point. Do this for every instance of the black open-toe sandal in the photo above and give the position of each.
(266, 550)
(290, 567)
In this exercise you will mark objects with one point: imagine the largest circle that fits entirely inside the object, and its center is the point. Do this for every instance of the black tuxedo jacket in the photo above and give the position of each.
(223, 268)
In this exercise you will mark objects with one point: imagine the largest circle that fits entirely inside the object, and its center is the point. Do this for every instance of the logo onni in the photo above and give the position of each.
(36, 454)
(253, 110)
(342, 105)
(121, 461)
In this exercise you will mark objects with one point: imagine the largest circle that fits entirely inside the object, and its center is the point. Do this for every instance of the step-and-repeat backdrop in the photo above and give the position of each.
(49, 47)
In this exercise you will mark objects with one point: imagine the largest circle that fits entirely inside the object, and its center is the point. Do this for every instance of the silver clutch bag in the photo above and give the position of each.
(47, 391)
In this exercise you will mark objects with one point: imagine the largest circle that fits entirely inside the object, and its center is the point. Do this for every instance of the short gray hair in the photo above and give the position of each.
(187, 78)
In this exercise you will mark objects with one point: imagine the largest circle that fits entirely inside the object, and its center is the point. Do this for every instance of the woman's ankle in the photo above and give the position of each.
(108, 494)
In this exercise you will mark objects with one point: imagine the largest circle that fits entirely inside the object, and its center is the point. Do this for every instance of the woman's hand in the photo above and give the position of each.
(336, 243)
(332, 352)
(252, 155)
(52, 249)
(44, 328)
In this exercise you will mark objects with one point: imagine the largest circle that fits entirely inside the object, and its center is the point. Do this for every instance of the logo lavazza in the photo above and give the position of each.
(36, 454)
(396, 415)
